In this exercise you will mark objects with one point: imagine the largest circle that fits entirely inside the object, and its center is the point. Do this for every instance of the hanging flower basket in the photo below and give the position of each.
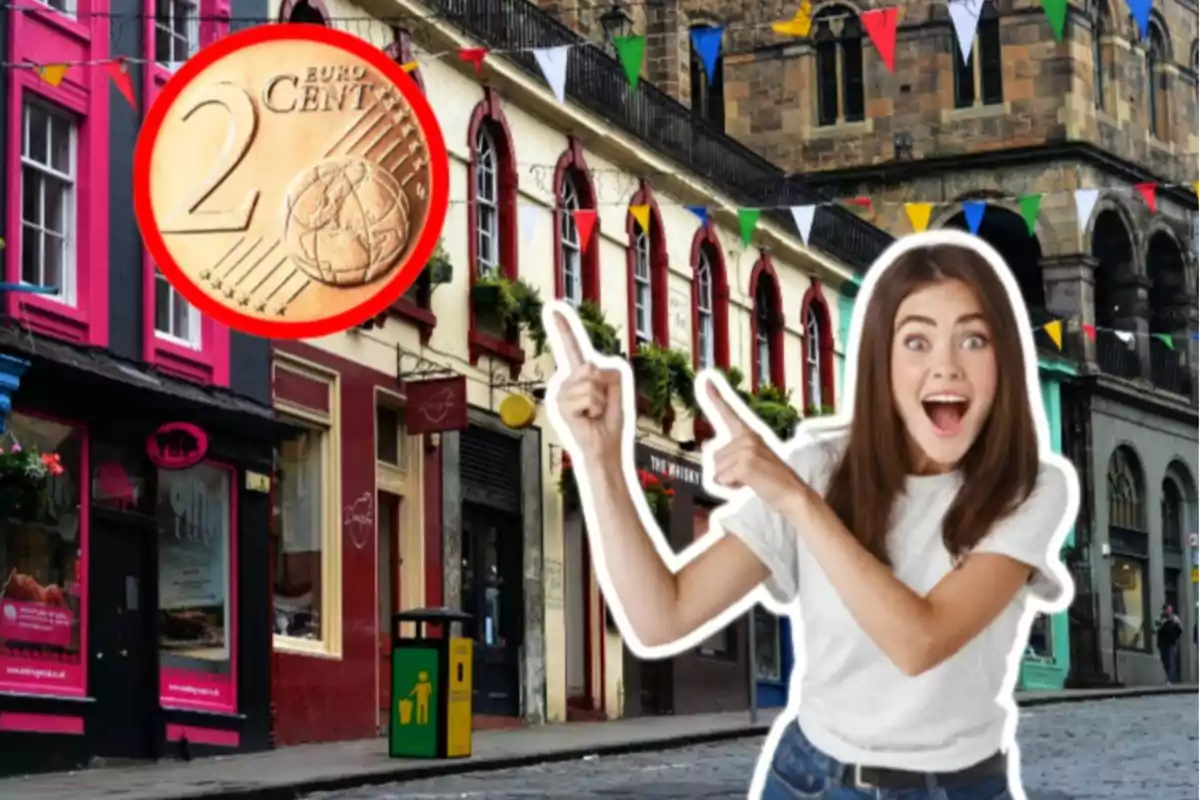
(23, 478)
(657, 490)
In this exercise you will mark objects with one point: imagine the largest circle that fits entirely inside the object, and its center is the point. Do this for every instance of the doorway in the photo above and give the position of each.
(123, 659)
(492, 594)
(388, 564)
(578, 618)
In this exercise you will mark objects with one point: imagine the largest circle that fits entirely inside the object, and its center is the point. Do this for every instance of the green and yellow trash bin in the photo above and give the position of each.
(431, 687)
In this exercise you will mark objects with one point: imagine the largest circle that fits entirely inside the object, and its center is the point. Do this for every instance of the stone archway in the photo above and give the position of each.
(1116, 292)
(1172, 313)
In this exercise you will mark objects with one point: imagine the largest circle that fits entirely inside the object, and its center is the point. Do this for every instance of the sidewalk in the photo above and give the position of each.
(291, 772)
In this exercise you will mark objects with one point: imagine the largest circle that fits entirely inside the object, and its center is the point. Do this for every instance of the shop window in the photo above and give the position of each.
(1041, 644)
(768, 650)
(720, 644)
(1129, 542)
(43, 586)
(197, 602)
(1130, 602)
(838, 38)
(48, 175)
(980, 79)
(176, 31)
(305, 530)
(389, 436)
(1172, 515)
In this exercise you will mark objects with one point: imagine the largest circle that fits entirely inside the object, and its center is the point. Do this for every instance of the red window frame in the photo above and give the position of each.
(489, 112)
(84, 96)
(706, 240)
(658, 267)
(210, 363)
(814, 299)
(765, 270)
(573, 164)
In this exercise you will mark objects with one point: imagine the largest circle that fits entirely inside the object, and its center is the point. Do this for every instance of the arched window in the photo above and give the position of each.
(710, 301)
(1130, 548)
(1099, 32)
(1157, 85)
(979, 80)
(838, 35)
(576, 270)
(766, 326)
(487, 203)
(647, 266)
(705, 327)
(817, 350)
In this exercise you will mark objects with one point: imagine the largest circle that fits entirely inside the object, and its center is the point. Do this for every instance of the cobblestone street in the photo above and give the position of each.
(1103, 750)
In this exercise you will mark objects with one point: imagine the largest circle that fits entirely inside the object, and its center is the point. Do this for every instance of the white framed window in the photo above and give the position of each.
(705, 329)
(174, 318)
(812, 365)
(66, 7)
(176, 31)
(643, 293)
(487, 195)
(572, 252)
(49, 158)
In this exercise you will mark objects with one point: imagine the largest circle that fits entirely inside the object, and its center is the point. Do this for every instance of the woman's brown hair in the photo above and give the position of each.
(1001, 468)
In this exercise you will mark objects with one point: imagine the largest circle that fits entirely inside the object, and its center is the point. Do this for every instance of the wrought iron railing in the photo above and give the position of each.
(596, 80)
(1169, 370)
(1115, 357)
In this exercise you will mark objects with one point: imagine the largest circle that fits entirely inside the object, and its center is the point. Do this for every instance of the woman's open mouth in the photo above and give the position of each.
(946, 412)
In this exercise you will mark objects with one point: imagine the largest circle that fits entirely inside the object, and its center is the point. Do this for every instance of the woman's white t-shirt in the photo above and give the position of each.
(855, 704)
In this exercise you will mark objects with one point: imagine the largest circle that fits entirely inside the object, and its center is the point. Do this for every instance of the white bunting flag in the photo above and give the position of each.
(1085, 201)
(803, 215)
(965, 16)
(553, 61)
(528, 216)
(1125, 336)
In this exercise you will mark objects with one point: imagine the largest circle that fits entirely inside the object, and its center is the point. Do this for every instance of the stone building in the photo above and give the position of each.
(1104, 109)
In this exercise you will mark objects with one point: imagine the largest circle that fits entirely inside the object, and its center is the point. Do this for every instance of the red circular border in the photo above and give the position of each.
(387, 293)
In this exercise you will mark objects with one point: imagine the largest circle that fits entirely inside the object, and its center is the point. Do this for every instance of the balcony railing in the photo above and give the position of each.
(597, 81)
(1169, 370)
(1115, 357)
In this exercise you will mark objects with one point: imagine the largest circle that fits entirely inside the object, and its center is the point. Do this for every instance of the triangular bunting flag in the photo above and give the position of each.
(474, 56)
(52, 74)
(642, 215)
(881, 27)
(1056, 12)
(747, 222)
(1089, 331)
(411, 66)
(585, 223)
(1124, 336)
(1085, 202)
(553, 62)
(706, 41)
(1054, 331)
(528, 215)
(1148, 191)
(120, 79)
(965, 16)
(1140, 10)
(973, 211)
(1029, 205)
(701, 213)
(803, 216)
(799, 25)
(1166, 339)
(631, 52)
(918, 215)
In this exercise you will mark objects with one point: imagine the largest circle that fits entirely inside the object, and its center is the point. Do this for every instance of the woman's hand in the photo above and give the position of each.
(749, 461)
(589, 400)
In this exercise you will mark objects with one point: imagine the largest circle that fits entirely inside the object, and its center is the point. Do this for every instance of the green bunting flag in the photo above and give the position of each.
(1056, 12)
(631, 51)
(1166, 339)
(747, 221)
(1029, 205)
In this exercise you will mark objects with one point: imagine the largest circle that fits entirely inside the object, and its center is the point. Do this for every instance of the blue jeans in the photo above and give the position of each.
(799, 771)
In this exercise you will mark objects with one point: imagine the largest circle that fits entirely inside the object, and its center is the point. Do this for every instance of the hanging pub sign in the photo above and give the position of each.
(177, 445)
(436, 405)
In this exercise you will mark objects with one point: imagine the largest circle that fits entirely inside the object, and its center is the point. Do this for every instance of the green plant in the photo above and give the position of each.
(663, 375)
(441, 270)
(511, 303)
(23, 477)
(818, 411)
(657, 490)
(603, 335)
(770, 404)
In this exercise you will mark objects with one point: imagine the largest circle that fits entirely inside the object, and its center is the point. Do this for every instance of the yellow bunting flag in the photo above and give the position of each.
(1054, 331)
(52, 74)
(409, 66)
(918, 215)
(799, 25)
(642, 215)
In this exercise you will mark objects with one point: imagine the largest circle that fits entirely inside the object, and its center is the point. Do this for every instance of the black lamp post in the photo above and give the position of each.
(615, 22)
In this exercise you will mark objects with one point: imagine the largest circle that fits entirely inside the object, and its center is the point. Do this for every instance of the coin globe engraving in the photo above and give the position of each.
(291, 181)
(347, 221)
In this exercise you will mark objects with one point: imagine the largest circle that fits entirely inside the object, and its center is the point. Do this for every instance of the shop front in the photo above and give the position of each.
(714, 676)
(134, 619)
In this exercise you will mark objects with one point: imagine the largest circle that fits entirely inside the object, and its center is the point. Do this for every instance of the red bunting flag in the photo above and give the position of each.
(881, 27)
(1089, 331)
(585, 222)
(120, 78)
(1148, 193)
(474, 55)
(861, 202)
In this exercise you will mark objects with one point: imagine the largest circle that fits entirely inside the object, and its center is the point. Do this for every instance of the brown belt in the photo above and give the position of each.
(861, 777)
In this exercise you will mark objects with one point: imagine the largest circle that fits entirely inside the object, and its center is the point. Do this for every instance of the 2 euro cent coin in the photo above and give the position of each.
(290, 181)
